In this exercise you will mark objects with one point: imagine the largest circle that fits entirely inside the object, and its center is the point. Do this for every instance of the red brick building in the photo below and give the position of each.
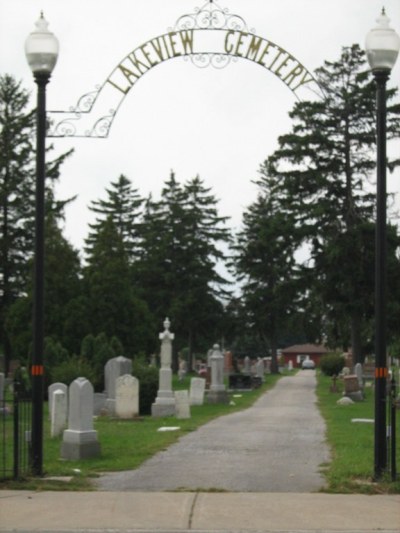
(299, 352)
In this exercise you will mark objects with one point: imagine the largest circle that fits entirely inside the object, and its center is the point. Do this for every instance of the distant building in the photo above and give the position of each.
(299, 352)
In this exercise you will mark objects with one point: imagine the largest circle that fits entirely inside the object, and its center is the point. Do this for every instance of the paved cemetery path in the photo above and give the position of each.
(277, 445)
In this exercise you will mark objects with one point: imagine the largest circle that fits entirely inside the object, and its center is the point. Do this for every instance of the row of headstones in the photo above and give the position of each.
(257, 368)
(62, 401)
(354, 383)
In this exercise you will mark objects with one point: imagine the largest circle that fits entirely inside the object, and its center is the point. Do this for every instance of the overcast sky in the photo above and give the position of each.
(220, 124)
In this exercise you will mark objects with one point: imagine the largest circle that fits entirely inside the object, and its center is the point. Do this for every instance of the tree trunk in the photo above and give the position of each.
(274, 357)
(356, 346)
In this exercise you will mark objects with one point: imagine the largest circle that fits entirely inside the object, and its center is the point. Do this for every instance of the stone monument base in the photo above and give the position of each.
(356, 396)
(79, 445)
(218, 396)
(110, 406)
(162, 409)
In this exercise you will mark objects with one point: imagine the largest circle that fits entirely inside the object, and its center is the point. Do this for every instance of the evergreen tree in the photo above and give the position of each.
(17, 196)
(123, 206)
(265, 261)
(62, 287)
(177, 270)
(321, 169)
(114, 307)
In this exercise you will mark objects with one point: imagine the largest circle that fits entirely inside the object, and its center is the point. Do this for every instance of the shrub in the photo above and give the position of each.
(148, 380)
(332, 364)
(72, 368)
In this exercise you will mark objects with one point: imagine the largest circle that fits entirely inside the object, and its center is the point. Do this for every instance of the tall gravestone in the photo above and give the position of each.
(80, 439)
(164, 404)
(59, 412)
(217, 392)
(50, 393)
(127, 397)
(113, 369)
(358, 371)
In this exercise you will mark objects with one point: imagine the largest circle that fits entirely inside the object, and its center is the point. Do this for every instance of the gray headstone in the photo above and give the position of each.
(59, 412)
(182, 406)
(197, 390)
(114, 368)
(247, 365)
(127, 397)
(50, 391)
(80, 439)
(217, 392)
(99, 403)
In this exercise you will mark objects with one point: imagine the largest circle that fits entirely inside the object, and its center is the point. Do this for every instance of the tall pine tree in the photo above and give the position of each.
(123, 206)
(180, 250)
(323, 166)
(17, 196)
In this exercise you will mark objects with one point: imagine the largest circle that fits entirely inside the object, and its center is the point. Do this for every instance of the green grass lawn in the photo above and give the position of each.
(352, 444)
(125, 444)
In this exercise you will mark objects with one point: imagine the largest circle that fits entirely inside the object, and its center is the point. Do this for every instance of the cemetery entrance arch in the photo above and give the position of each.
(208, 37)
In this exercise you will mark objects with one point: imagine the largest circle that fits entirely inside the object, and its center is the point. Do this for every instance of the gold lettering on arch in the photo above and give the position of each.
(235, 43)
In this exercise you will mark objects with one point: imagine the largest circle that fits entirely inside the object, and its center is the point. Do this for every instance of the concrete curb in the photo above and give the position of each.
(171, 512)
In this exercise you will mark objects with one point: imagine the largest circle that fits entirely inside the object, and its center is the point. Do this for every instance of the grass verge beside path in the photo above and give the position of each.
(126, 444)
(352, 444)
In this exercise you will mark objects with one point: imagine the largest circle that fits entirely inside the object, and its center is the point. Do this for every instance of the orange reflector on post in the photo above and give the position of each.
(37, 370)
(381, 372)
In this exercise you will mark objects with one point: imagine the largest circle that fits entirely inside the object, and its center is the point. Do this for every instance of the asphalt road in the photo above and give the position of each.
(277, 445)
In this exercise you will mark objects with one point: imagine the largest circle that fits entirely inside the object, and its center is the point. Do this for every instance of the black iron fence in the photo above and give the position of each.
(15, 437)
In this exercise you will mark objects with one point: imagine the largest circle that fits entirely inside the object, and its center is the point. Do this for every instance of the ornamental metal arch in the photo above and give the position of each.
(208, 37)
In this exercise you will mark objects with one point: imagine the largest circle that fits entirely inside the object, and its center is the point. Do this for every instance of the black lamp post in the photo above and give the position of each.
(41, 49)
(382, 47)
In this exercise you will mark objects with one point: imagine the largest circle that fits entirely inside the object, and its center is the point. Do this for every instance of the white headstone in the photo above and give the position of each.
(80, 439)
(80, 417)
(59, 412)
(260, 369)
(182, 406)
(127, 397)
(197, 389)
(358, 371)
(345, 401)
(164, 404)
(247, 365)
(50, 391)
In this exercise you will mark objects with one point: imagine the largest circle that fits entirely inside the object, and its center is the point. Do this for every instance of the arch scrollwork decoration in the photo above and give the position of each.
(211, 36)
(211, 17)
